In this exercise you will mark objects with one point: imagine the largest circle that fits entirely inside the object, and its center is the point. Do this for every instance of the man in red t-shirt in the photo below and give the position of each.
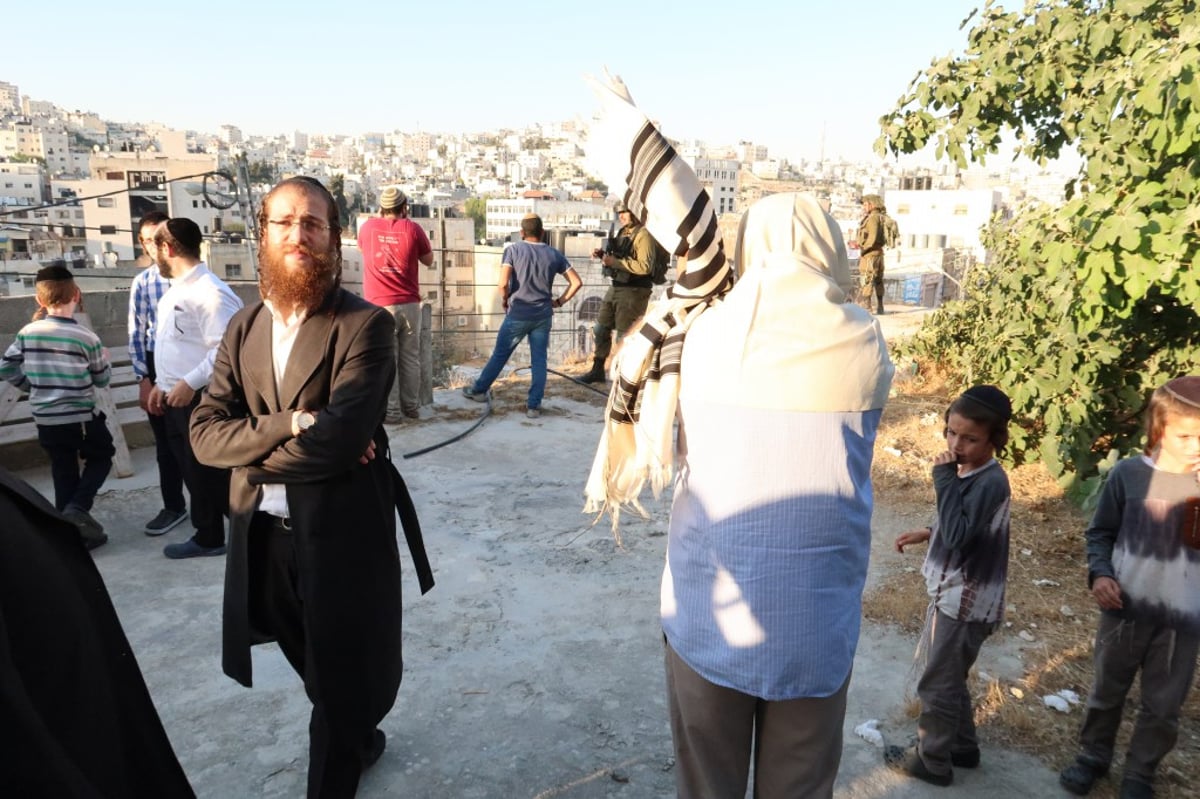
(391, 247)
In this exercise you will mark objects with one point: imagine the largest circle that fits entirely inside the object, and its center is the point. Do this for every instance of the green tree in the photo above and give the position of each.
(1089, 306)
(476, 208)
(337, 187)
(261, 172)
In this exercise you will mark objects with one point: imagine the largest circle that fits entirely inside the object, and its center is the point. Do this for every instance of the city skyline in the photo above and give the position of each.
(793, 79)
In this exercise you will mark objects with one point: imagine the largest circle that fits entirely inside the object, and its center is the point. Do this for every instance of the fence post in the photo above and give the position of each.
(426, 354)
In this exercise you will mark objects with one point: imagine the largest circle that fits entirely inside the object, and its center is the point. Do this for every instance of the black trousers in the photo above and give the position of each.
(170, 477)
(208, 487)
(67, 444)
(334, 764)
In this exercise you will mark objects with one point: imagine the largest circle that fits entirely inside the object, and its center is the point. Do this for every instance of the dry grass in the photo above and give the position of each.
(509, 391)
(1047, 544)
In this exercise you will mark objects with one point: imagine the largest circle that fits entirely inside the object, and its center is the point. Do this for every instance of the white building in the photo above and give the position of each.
(10, 98)
(504, 215)
(936, 219)
(22, 184)
(719, 176)
(122, 187)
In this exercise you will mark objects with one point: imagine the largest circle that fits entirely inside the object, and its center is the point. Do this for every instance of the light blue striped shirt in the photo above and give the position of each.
(769, 540)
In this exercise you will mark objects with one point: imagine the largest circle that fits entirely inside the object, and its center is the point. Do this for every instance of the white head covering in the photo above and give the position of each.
(785, 338)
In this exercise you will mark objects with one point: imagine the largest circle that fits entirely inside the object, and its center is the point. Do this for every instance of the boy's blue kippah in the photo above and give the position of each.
(993, 398)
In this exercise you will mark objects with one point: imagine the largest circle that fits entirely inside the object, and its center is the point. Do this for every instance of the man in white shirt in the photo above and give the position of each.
(192, 317)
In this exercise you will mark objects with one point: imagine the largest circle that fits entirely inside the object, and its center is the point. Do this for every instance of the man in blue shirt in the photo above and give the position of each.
(526, 282)
(147, 289)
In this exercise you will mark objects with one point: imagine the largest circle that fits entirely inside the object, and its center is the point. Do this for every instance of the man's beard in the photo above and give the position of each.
(300, 289)
(164, 268)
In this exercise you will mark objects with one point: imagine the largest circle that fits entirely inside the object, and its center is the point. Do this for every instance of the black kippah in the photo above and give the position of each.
(991, 397)
(54, 272)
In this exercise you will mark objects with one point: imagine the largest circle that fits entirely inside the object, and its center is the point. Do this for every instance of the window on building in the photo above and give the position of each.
(233, 270)
(462, 288)
(431, 294)
(106, 202)
(903, 208)
(960, 210)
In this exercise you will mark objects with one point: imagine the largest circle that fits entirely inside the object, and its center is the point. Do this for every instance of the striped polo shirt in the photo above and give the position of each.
(60, 363)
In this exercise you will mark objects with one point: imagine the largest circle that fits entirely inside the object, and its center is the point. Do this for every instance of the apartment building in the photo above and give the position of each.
(504, 215)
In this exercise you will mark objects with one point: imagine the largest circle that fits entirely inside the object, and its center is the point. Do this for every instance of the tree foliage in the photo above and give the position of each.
(476, 209)
(261, 172)
(1085, 307)
(337, 187)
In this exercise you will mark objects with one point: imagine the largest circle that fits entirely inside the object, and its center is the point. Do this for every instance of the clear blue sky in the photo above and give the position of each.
(777, 73)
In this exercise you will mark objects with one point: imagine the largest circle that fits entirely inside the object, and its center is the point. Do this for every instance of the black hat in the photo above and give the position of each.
(992, 398)
(56, 271)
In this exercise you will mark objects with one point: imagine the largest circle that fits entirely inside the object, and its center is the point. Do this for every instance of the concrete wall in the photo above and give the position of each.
(108, 311)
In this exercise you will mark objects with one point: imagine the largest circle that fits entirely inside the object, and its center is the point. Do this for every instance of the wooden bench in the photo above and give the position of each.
(118, 401)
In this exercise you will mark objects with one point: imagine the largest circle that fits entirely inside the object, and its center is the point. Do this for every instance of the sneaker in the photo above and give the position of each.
(190, 549)
(1079, 777)
(533, 413)
(92, 543)
(909, 762)
(164, 521)
(89, 528)
(393, 417)
(471, 395)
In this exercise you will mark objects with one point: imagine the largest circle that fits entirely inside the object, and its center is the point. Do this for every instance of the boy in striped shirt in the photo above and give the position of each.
(61, 363)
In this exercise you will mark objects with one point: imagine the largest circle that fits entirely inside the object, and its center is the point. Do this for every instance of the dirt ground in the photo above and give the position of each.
(534, 667)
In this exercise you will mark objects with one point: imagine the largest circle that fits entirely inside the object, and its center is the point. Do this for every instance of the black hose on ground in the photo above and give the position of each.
(488, 412)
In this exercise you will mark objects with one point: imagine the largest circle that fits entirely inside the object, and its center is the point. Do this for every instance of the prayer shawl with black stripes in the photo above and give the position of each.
(666, 196)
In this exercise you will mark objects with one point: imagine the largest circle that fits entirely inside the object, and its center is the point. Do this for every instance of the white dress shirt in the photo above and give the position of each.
(283, 336)
(192, 317)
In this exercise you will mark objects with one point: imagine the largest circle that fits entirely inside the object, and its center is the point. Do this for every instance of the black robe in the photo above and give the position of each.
(343, 513)
(76, 719)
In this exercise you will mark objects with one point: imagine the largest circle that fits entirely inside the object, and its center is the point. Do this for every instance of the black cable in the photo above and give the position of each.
(486, 413)
(75, 200)
(572, 378)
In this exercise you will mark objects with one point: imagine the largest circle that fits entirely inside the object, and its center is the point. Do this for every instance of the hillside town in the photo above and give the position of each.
(75, 185)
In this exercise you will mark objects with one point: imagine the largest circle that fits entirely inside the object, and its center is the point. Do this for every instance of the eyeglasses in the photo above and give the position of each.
(307, 224)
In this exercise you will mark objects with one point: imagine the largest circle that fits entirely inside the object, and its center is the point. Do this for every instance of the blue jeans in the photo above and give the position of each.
(507, 338)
